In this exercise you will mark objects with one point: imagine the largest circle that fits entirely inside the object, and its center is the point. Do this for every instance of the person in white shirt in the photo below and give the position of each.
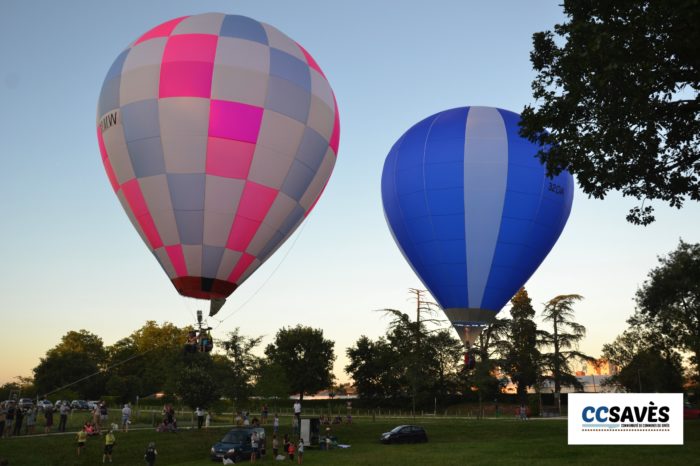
(126, 417)
(199, 412)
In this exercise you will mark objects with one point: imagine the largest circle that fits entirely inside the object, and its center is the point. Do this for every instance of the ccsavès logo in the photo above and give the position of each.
(625, 419)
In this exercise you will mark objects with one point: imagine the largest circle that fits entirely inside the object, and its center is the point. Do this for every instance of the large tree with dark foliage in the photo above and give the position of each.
(242, 365)
(374, 369)
(521, 356)
(617, 88)
(646, 360)
(306, 358)
(669, 301)
(562, 341)
(80, 356)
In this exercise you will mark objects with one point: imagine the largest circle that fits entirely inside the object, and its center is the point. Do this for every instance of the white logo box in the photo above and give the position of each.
(625, 419)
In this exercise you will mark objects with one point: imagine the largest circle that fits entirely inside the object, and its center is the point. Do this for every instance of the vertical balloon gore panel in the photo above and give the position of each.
(472, 210)
(218, 134)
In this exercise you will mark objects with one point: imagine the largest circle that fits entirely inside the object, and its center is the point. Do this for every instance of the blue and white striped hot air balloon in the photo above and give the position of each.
(472, 210)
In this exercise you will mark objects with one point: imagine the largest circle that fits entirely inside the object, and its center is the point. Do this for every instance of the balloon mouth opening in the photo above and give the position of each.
(469, 322)
(203, 288)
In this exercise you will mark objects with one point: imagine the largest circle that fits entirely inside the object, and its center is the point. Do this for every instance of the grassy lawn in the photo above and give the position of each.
(452, 442)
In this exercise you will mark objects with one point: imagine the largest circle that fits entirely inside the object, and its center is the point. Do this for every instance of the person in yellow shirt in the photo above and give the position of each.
(82, 438)
(110, 440)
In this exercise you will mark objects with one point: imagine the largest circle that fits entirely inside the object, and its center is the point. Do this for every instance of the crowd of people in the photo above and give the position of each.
(18, 420)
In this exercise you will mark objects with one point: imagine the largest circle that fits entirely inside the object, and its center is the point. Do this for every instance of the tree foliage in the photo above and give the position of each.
(562, 341)
(669, 301)
(646, 362)
(79, 355)
(197, 387)
(242, 365)
(409, 362)
(521, 356)
(306, 358)
(617, 86)
(373, 368)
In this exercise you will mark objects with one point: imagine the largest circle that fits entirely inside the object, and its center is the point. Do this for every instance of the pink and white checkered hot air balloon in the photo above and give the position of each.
(218, 134)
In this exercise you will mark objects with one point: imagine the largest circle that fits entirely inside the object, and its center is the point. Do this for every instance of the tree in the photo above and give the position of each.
(271, 381)
(521, 356)
(243, 365)
(563, 340)
(306, 357)
(669, 301)
(163, 345)
(445, 362)
(79, 357)
(374, 370)
(83, 342)
(647, 363)
(197, 387)
(69, 369)
(619, 104)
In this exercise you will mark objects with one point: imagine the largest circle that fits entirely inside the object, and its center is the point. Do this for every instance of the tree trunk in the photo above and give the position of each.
(557, 375)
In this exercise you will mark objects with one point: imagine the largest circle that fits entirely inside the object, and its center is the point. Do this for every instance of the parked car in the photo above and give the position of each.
(79, 404)
(404, 434)
(92, 404)
(238, 438)
(58, 404)
(689, 412)
(25, 403)
(41, 404)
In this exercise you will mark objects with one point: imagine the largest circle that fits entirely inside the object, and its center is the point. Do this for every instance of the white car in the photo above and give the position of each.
(41, 404)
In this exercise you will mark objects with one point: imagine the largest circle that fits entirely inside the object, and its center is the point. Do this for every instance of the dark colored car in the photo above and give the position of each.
(689, 412)
(238, 438)
(404, 434)
(79, 404)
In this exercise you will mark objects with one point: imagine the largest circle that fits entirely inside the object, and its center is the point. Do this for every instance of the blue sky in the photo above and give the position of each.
(71, 259)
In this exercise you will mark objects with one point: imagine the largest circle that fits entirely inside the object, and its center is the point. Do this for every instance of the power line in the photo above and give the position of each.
(262, 285)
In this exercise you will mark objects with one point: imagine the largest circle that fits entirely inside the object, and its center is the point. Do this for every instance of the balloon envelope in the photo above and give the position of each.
(218, 134)
(471, 208)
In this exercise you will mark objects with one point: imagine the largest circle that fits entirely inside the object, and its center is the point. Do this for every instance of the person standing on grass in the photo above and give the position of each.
(63, 419)
(126, 417)
(110, 440)
(263, 414)
(276, 424)
(199, 412)
(300, 454)
(19, 417)
(290, 451)
(523, 413)
(81, 438)
(3, 415)
(48, 417)
(96, 417)
(207, 421)
(297, 411)
(151, 454)
(30, 420)
(104, 415)
(275, 445)
(254, 446)
(10, 411)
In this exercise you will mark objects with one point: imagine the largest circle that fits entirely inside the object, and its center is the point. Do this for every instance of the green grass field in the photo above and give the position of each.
(451, 442)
